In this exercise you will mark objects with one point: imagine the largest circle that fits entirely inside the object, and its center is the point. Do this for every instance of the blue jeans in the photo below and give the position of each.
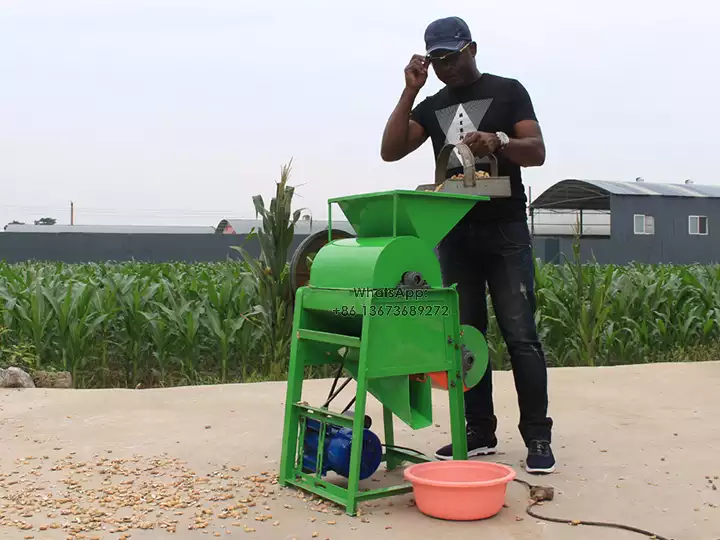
(500, 255)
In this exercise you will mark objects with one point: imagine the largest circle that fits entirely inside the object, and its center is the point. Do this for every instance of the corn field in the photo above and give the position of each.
(603, 315)
(170, 324)
(157, 324)
(130, 324)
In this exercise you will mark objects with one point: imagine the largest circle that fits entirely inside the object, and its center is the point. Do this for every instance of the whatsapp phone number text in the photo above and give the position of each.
(395, 310)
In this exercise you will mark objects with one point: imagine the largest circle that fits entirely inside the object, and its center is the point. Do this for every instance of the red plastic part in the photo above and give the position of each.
(440, 380)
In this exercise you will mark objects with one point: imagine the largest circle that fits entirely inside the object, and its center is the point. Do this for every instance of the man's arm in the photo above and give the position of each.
(402, 135)
(527, 148)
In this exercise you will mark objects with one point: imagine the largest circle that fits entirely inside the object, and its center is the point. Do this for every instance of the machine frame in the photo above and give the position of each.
(393, 346)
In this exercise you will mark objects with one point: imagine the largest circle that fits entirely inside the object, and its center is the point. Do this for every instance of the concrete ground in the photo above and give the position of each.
(637, 445)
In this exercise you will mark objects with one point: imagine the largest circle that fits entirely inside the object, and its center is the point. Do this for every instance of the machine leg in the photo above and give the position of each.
(293, 395)
(391, 460)
(357, 441)
(457, 418)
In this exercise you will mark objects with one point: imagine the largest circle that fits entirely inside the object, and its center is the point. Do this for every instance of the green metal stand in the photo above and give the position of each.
(387, 343)
(375, 372)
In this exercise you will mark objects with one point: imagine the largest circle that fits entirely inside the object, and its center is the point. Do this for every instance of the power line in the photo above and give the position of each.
(95, 211)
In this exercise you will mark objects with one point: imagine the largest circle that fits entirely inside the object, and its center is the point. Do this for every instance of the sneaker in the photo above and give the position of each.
(478, 445)
(540, 459)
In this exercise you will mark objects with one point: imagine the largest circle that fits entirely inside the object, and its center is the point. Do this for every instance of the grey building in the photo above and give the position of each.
(616, 222)
(148, 243)
(625, 222)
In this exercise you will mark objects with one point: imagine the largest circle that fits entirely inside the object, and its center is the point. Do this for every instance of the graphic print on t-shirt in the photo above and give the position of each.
(458, 120)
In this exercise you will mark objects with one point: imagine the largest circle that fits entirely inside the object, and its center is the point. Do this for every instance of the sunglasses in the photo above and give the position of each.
(449, 58)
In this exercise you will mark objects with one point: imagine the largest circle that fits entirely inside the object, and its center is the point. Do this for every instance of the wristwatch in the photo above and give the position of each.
(504, 140)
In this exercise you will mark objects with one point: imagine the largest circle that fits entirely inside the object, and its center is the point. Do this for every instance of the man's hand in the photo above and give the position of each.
(416, 73)
(482, 144)
(402, 134)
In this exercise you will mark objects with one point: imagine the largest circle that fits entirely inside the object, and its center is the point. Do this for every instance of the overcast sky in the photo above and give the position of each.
(177, 112)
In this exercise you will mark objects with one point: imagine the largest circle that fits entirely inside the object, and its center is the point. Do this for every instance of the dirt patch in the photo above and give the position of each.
(636, 445)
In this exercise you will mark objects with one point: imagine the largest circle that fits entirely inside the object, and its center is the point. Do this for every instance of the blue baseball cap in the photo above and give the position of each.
(450, 33)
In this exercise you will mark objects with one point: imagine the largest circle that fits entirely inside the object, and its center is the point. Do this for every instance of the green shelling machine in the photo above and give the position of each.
(374, 306)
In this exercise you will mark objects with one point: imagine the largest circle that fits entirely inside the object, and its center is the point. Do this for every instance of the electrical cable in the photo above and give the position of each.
(337, 393)
(542, 495)
(333, 394)
(396, 447)
(334, 384)
(97, 210)
(347, 407)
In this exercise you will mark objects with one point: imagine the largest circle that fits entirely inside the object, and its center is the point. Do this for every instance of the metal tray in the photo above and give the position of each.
(493, 186)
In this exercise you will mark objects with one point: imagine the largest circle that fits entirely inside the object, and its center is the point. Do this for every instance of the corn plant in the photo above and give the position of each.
(229, 308)
(15, 354)
(28, 311)
(76, 322)
(271, 276)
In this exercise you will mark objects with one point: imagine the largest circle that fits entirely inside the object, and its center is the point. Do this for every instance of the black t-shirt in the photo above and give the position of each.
(490, 104)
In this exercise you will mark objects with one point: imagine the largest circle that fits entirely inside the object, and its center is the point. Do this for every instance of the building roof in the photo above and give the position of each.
(244, 226)
(595, 194)
(108, 229)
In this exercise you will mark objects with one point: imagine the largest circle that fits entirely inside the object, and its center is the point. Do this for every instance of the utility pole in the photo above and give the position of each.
(72, 213)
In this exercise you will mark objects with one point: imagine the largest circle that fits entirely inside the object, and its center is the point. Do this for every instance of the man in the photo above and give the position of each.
(492, 244)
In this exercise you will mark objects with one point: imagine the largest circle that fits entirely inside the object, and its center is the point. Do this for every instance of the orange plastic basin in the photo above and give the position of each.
(459, 490)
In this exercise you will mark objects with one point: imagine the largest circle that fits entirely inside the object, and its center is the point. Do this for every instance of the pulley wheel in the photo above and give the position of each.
(475, 359)
(475, 355)
(299, 269)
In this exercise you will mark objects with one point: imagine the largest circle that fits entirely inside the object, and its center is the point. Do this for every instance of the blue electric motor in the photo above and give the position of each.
(336, 454)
